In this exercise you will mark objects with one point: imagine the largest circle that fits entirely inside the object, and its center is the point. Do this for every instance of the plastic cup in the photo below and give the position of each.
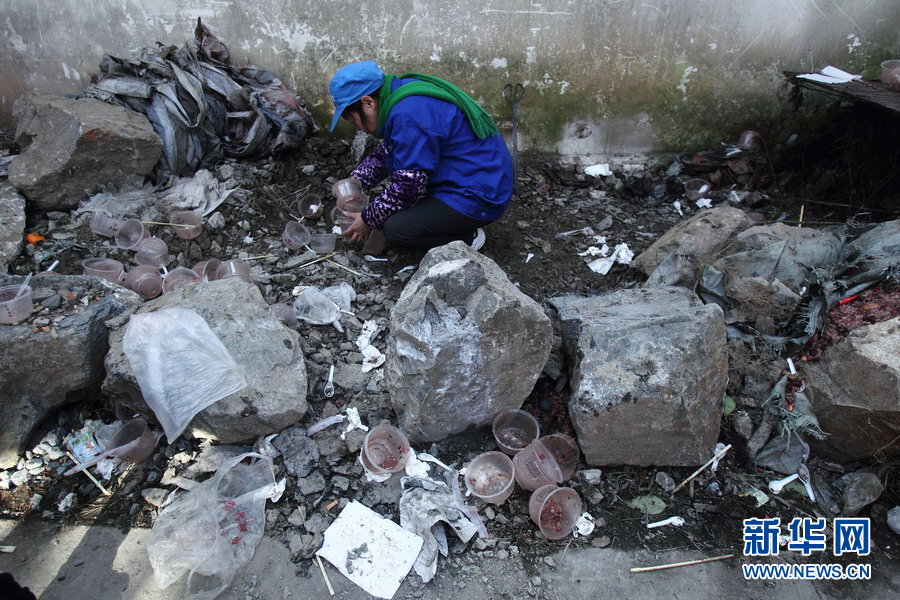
(565, 450)
(233, 268)
(514, 429)
(890, 74)
(340, 219)
(206, 269)
(554, 510)
(535, 466)
(130, 234)
(104, 224)
(284, 312)
(346, 189)
(295, 236)
(152, 251)
(188, 224)
(322, 243)
(105, 268)
(177, 278)
(144, 280)
(13, 309)
(385, 450)
(135, 429)
(748, 140)
(695, 189)
(491, 477)
(311, 206)
(353, 204)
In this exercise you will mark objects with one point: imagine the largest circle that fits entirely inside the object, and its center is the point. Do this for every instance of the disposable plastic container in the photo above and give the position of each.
(322, 243)
(105, 268)
(311, 206)
(145, 280)
(130, 233)
(135, 429)
(491, 477)
(295, 236)
(152, 251)
(339, 218)
(514, 429)
(233, 268)
(555, 510)
(695, 189)
(566, 452)
(385, 450)
(187, 224)
(535, 466)
(105, 225)
(15, 309)
(206, 269)
(179, 277)
(890, 74)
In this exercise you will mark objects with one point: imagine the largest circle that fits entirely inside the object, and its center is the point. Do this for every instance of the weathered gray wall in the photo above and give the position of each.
(602, 76)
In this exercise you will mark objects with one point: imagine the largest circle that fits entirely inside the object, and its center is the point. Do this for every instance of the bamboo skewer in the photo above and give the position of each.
(686, 563)
(700, 470)
(324, 576)
(99, 485)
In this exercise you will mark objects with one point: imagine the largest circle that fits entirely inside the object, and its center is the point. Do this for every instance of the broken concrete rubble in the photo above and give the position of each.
(58, 356)
(72, 148)
(269, 353)
(465, 345)
(649, 369)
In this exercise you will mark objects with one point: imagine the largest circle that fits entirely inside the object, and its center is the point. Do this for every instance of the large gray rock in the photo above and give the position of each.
(73, 148)
(855, 391)
(269, 353)
(649, 373)
(765, 271)
(12, 225)
(47, 366)
(693, 242)
(465, 344)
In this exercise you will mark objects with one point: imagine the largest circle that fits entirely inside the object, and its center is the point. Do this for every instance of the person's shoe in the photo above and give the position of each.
(478, 242)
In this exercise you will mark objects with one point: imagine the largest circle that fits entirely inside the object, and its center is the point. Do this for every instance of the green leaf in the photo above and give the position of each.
(650, 505)
(729, 404)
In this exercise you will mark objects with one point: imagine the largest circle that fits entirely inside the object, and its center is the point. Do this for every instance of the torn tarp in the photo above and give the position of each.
(201, 106)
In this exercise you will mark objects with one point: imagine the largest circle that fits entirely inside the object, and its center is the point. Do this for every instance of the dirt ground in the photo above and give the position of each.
(632, 206)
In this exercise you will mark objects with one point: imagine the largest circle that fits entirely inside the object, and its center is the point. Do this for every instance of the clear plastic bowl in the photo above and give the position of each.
(105, 268)
(514, 429)
(187, 224)
(12, 309)
(491, 477)
(555, 510)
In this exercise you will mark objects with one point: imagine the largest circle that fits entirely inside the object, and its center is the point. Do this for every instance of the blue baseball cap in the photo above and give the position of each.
(352, 82)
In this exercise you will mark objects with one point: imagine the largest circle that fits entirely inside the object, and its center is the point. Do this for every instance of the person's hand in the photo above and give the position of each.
(358, 231)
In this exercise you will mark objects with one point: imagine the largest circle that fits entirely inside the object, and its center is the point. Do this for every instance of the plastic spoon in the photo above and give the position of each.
(24, 285)
(111, 452)
(329, 385)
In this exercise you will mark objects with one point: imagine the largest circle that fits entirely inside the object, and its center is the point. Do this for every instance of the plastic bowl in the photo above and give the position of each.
(322, 243)
(12, 309)
(233, 268)
(130, 233)
(295, 236)
(340, 219)
(890, 74)
(491, 477)
(187, 224)
(695, 189)
(535, 466)
(554, 510)
(385, 450)
(565, 450)
(152, 251)
(105, 225)
(105, 268)
(144, 280)
(177, 278)
(206, 269)
(311, 206)
(514, 429)
(135, 429)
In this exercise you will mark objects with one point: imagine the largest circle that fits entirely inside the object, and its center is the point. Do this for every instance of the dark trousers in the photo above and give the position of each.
(429, 224)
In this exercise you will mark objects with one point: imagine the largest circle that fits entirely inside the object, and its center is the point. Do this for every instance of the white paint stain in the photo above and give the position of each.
(530, 55)
(854, 43)
(713, 46)
(499, 63)
(65, 69)
(435, 53)
(563, 86)
(685, 80)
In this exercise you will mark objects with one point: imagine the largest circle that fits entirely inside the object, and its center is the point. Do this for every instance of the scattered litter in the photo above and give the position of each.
(718, 455)
(584, 230)
(328, 390)
(584, 525)
(757, 494)
(677, 206)
(372, 356)
(425, 505)
(686, 563)
(324, 575)
(7, 549)
(595, 250)
(353, 422)
(830, 75)
(650, 505)
(67, 502)
(673, 521)
(415, 467)
(371, 551)
(324, 424)
(621, 255)
(704, 203)
(529, 257)
(601, 170)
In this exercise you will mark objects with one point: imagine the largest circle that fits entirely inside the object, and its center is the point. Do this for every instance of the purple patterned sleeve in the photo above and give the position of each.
(406, 189)
(372, 169)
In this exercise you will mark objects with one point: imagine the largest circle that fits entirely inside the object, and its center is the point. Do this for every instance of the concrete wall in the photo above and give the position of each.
(601, 76)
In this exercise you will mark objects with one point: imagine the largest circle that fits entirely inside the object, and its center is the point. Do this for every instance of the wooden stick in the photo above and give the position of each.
(686, 563)
(332, 504)
(99, 485)
(258, 257)
(321, 258)
(337, 264)
(322, 568)
(171, 224)
(800, 222)
(700, 470)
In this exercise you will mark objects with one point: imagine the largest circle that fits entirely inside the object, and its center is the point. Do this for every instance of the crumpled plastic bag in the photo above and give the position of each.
(323, 307)
(424, 505)
(180, 365)
(213, 529)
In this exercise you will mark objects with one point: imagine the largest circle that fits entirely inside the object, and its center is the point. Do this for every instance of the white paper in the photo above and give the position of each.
(371, 551)
(601, 170)
(830, 75)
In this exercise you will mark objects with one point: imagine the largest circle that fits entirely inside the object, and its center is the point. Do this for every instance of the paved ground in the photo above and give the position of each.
(69, 563)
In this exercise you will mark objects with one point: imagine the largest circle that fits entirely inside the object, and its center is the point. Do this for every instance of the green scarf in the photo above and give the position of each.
(435, 87)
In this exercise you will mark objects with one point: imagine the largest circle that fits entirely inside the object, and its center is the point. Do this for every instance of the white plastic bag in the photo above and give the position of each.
(212, 530)
(180, 364)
